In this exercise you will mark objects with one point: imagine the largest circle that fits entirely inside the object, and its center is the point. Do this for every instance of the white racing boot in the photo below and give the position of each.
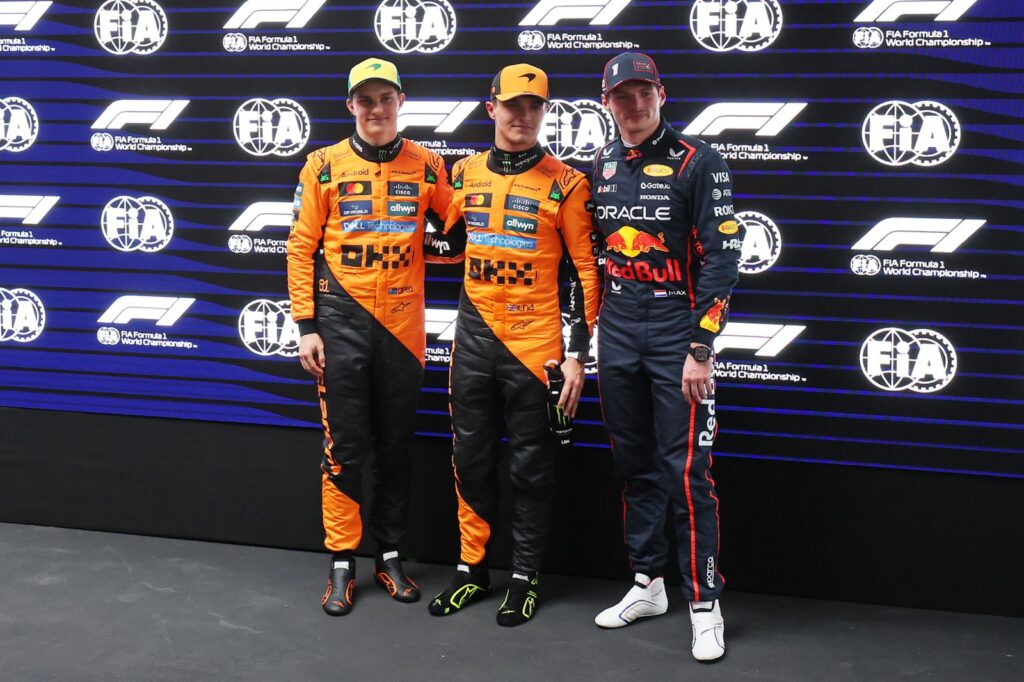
(646, 598)
(708, 630)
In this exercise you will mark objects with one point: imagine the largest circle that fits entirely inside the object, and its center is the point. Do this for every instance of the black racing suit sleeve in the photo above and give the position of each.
(717, 238)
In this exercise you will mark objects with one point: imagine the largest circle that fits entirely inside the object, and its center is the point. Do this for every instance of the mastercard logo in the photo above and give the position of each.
(355, 188)
(477, 200)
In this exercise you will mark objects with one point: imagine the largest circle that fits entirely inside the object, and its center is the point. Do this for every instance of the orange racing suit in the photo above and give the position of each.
(365, 207)
(523, 213)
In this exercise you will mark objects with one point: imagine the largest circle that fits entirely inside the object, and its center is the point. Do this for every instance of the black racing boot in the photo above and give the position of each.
(470, 584)
(341, 584)
(520, 600)
(387, 571)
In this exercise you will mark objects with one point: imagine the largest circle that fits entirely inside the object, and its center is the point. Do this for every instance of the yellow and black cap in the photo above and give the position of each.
(373, 69)
(519, 79)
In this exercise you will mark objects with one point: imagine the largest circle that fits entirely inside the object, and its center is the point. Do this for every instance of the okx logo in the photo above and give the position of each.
(895, 10)
(130, 26)
(576, 130)
(266, 328)
(550, 12)
(22, 316)
(19, 125)
(22, 15)
(899, 133)
(405, 26)
(726, 25)
(766, 118)
(137, 224)
(263, 127)
(919, 360)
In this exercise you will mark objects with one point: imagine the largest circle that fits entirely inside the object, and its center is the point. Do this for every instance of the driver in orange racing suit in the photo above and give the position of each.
(523, 211)
(355, 277)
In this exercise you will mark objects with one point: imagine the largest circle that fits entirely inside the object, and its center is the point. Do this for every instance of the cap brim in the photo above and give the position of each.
(641, 79)
(506, 96)
(374, 78)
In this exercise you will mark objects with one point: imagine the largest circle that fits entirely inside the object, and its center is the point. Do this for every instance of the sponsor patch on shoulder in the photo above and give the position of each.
(728, 227)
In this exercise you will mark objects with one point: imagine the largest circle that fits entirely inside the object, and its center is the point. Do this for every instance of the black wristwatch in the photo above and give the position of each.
(699, 353)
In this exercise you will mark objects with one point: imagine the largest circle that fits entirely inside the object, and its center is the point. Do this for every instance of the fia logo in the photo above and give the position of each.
(19, 125)
(865, 265)
(919, 360)
(137, 224)
(263, 127)
(727, 25)
(130, 26)
(576, 130)
(405, 26)
(762, 243)
(899, 133)
(266, 328)
(22, 316)
(868, 37)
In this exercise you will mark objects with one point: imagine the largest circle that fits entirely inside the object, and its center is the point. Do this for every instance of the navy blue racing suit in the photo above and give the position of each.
(672, 248)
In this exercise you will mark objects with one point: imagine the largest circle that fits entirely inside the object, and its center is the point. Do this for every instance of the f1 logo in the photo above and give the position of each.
(164, 310)
(767, 340)
(550, 12)
(263, 214)
(444, 116)
(22, 15)
(159, 114)
(892, 10)
(291, 13)
(30, 210)
(767, 118)
(944, 235)
(440, 322)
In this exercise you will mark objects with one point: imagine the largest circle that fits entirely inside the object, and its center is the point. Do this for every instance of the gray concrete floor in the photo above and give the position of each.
(80, 605)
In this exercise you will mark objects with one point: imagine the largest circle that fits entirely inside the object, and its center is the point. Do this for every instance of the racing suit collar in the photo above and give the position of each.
(658, 138)
(381, 154)
(513, 163)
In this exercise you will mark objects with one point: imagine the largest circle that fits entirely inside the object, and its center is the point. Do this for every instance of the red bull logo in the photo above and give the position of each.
(645, 272)
(631, 242)
(712, 320)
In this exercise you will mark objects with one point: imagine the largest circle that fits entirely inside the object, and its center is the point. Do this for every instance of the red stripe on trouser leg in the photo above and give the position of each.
(342, 523)
(689, 503)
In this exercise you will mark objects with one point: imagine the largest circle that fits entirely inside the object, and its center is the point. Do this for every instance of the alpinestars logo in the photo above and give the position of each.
(550, 12)
(22, 15)
(130, 26)
(445, 117)
(22, 316)
(919, 360)
(894, 10)
(766, 118)
(158, 114)
(266, 328)
(19, 125)
(899, 133)
(726, 25)
(944, 235)
(762, 242)
(263, 127)
(576, 130)
(405, 26)
(27, 209)
(137, 224)
(291, 13)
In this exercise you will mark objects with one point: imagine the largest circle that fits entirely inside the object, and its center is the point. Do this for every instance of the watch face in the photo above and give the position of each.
(701, 354)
